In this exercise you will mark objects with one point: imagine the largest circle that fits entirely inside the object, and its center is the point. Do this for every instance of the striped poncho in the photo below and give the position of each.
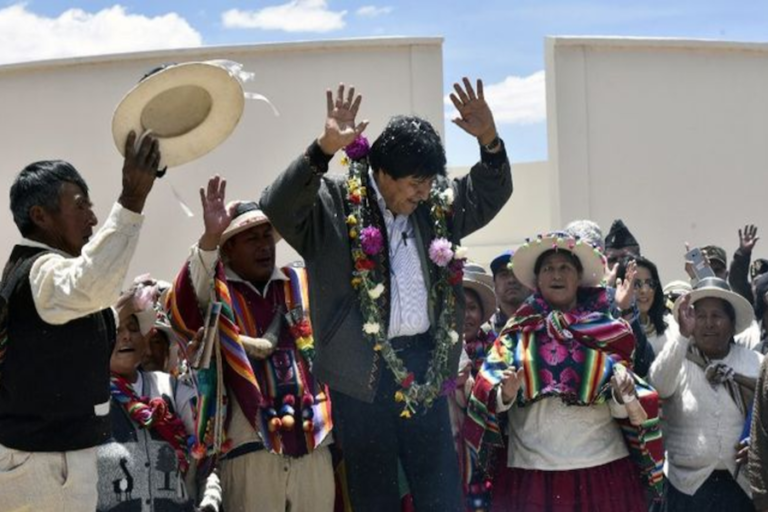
(570, 356)
(257, 386)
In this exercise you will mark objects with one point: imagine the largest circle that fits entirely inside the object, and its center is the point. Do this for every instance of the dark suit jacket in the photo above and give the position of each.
(308, 210)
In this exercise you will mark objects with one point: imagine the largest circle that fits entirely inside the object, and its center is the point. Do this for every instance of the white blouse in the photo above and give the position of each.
(551, 436)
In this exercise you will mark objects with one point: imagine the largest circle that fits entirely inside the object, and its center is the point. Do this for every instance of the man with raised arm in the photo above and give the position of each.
(57, 290)
(381, 246)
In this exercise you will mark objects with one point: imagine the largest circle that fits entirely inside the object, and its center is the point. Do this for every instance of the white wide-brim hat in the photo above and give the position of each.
(190, 108)
(247, 220)
(592, 260)
(714, 287)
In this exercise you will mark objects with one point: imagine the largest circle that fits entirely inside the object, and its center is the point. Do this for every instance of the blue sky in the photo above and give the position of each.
(501, 41)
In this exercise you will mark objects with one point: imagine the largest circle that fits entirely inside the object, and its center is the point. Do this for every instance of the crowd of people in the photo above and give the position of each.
(384, 371)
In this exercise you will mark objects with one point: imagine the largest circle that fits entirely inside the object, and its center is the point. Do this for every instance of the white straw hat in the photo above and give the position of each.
(190, 108)
(714, 287)
(525, 257)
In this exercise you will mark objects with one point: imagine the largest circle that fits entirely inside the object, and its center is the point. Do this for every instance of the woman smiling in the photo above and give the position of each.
(562, 369)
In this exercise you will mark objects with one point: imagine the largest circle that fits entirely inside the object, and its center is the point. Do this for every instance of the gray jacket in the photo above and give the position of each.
(308, 209)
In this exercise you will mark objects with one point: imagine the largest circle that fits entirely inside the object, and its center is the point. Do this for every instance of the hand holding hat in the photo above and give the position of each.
(190, 108)
(139, 171)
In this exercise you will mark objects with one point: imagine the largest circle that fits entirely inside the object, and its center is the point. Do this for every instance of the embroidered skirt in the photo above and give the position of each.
(612, 487)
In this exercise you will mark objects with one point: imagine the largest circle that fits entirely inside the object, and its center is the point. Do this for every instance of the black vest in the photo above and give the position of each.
(53, 375)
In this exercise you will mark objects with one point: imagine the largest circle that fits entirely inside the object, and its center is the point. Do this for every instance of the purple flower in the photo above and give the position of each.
(448, 387)
(371, 240)
(358, 149)
(440, 252)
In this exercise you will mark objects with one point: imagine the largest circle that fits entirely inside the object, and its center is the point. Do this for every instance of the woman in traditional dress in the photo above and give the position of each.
(561, 370)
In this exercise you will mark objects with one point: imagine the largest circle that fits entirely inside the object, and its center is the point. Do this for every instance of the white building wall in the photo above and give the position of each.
(526, 214)
(63, 109)
(669, 135)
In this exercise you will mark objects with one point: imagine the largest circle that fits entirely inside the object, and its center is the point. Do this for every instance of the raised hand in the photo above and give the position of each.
(689, 264)
(610, 278)
(685, 317)
(748, 238)
(625, 289)
(476, 117)
(139, 171)
(340, 128)
(215, 215)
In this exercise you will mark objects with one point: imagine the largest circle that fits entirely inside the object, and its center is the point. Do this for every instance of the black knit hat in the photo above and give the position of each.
(619, 236)
(760, 285)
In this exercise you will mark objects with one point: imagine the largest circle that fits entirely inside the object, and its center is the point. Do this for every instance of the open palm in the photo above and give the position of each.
(340, 128)
(215, 215)
(476, 117)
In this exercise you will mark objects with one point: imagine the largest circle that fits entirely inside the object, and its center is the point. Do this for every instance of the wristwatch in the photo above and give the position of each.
(493, 145)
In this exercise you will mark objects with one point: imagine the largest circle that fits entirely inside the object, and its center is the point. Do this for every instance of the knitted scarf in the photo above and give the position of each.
(152, 413)
(569, 356)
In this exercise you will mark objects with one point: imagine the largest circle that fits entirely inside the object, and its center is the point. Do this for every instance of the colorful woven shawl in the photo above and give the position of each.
(566, 355)
(239, 376)
(186, 318)
(152, 413)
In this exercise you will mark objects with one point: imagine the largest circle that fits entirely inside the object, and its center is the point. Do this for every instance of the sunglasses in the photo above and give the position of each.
(638, 284)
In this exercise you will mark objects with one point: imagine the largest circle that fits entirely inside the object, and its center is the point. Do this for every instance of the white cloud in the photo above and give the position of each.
(516, 100)
(295, 16)
(371, 11)
(26, 36)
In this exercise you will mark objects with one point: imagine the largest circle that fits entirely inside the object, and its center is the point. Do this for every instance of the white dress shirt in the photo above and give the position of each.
(408, 313)
(701, 424)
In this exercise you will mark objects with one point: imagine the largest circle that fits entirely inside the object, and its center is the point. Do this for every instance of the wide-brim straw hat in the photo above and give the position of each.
(247, 220)
(476, 279)
(714, 287)
(592, 260)
(190, 108)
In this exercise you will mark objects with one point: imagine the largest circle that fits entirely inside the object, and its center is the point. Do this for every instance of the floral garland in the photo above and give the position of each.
(367, 247)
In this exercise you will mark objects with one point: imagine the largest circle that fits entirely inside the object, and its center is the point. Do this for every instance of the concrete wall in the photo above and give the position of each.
(669, 135)
(526, 214)
(63, 109)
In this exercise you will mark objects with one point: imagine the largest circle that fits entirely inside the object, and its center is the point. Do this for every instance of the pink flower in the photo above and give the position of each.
(576, 353)
(553, 352)
(440, 252)
(358, 149)
(569, 379)
(371, 240)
